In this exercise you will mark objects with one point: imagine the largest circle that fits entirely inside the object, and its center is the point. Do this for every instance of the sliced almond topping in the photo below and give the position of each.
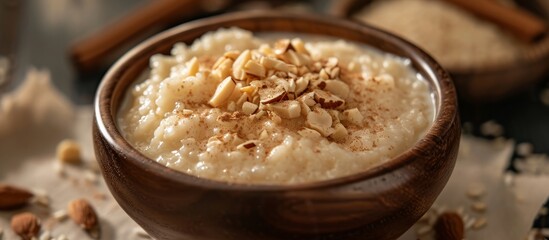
(281, 46)
(320, 120)
(354, 116)
(223, 92)
(269, 62)
(321, 84)
(272, 95)
(239, 63)
(299, 46)
(235, 95)
(308, 99)
(337, 87)
(291, 85)
(287, 109)
(218, 62)
(291, 96)
(276, 64)
(192, 66)
(334, 73)
(301, 84)
(223, 70)
(231, 107)
(305, 109)
(332, 62)
(248, 89)
(249, 108)
(340, 133)
(323, 74)
(260, 114)
(254, 68)
(241, 100)
(255, 99)
(309, 133)
(335, 115)
(266, 49)
(327, 100)
(303, 70)
(232, 54)
(294, 58)
(247, 145)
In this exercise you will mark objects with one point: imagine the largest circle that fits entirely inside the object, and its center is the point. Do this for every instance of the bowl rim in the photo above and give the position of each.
(107, 128)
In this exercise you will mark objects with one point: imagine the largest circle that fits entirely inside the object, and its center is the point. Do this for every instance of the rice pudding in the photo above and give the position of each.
(269, 110)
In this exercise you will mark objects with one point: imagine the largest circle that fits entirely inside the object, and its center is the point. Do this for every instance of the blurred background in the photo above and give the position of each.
(44, 34)
(501, 95)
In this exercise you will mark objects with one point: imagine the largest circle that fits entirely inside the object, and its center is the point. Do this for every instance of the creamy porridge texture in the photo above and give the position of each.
(240, 108)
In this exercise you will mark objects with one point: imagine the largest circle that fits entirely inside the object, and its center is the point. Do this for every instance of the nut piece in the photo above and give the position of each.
(276, 64)
(449, 226)
(287, 109)
(299, 46)
(26, 225)
(337, 87)
(272, 95)
(223, 69)
(308, 99)
(82, 213)
(13, 197)
(320, 120)
(254, 68)
(353, 116)
(327, 100)
(232, 54)
(223, 92)
(249, 108)
(281, 46)
(192, 66)
(239, 63)
(332, 62)
(340, 133)
(295, 58)
(68, 151)
(300, 85)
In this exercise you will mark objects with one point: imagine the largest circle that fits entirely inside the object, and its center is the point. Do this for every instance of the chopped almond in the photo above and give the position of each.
(223, 92)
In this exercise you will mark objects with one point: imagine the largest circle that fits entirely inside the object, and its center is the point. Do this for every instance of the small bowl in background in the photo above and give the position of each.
(482, 85)
(380, 203)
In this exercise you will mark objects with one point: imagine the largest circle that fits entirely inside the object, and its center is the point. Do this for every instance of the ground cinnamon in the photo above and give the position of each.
(524, 25)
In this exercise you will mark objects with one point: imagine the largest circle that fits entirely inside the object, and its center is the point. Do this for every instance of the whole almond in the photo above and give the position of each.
(26, 225)
(449, 226)
(13, 197)
(82, 213)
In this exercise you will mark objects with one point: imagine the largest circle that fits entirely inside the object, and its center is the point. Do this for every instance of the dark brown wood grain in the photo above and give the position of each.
(380, 203)
(483, 85)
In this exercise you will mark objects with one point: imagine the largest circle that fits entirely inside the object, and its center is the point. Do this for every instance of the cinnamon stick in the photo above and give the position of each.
(524, 25)
(89, 52)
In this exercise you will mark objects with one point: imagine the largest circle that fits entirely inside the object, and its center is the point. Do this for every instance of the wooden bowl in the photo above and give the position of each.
(380, 203)
(490, 84)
